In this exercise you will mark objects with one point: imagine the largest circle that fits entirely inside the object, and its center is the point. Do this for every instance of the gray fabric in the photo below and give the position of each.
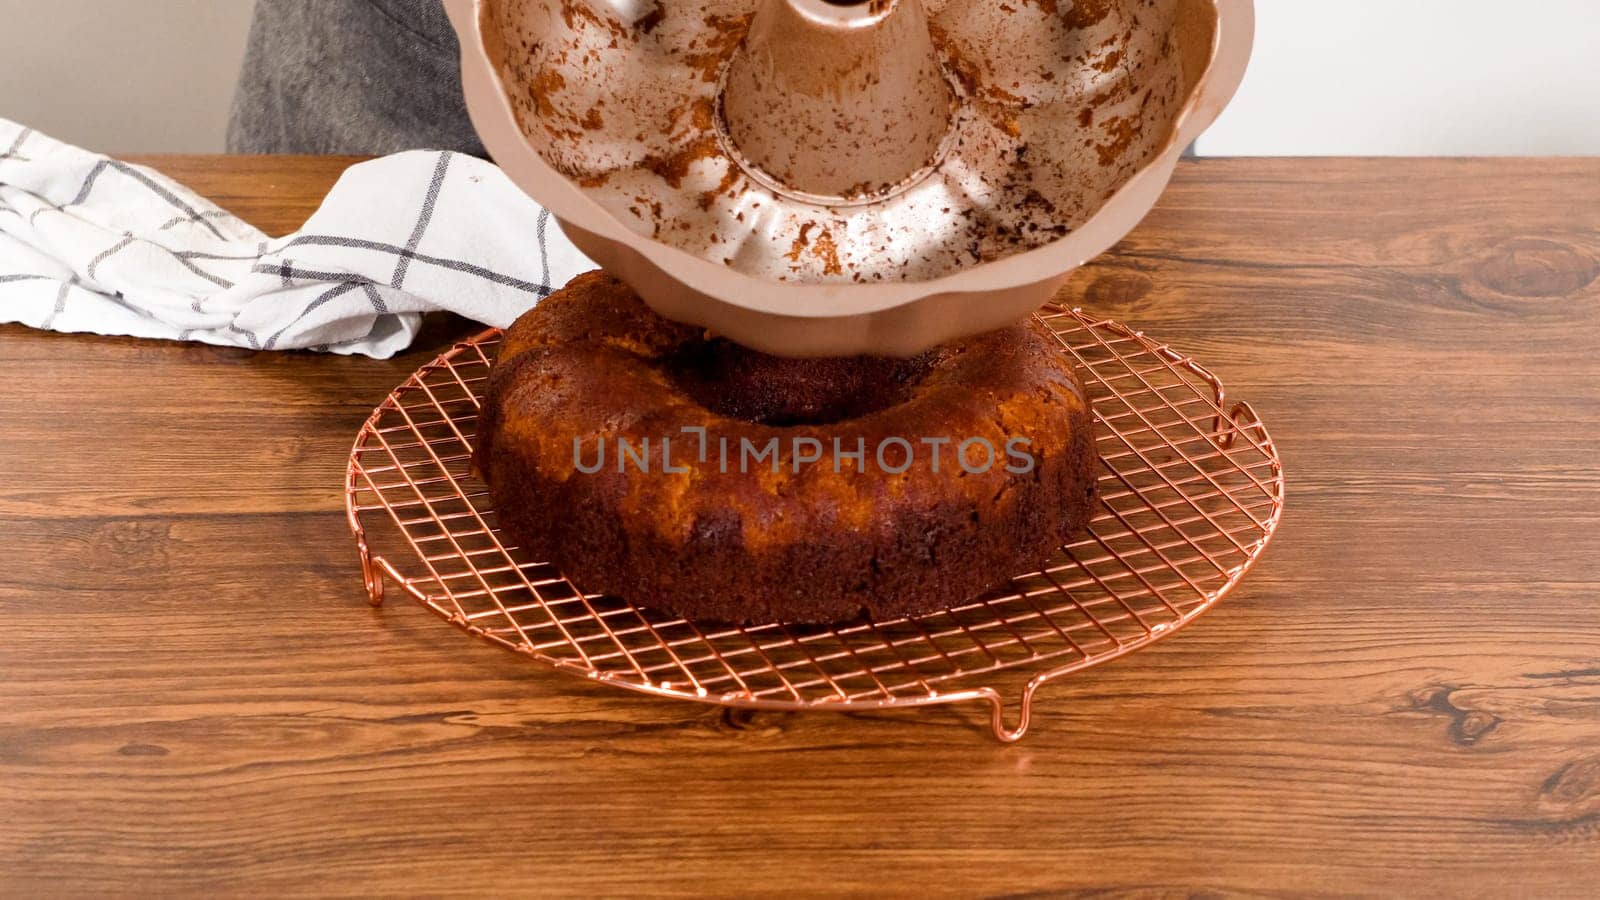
(350, 76)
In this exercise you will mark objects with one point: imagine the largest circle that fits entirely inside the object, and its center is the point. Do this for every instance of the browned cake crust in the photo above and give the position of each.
(813, 541)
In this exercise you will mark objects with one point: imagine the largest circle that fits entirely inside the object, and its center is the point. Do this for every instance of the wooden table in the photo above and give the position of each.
(1404, 697)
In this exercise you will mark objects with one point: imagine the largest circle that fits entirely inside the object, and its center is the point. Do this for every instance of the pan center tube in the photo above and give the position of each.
(837, 101)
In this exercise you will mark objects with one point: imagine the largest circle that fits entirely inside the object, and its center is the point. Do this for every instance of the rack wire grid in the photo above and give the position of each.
(1191, 491)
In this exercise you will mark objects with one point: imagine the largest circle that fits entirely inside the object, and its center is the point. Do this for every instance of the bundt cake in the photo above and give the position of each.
(682, 472)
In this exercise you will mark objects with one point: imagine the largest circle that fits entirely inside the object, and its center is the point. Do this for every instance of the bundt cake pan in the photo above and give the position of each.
(830, 178)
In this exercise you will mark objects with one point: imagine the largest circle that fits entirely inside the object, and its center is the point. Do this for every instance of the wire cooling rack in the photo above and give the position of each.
(1191, 490)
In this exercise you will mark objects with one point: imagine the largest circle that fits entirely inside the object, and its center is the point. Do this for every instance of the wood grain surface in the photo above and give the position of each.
(1403, 698)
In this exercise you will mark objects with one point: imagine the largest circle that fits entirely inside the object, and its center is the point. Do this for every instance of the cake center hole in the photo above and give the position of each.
(750, 386)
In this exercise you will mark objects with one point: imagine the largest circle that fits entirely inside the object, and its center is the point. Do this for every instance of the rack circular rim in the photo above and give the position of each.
(1128, 355)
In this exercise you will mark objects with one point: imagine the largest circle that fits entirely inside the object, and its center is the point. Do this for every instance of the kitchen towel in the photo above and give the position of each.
(93, 244)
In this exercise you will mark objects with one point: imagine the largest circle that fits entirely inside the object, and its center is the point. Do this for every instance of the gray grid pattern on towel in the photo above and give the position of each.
(96, 244)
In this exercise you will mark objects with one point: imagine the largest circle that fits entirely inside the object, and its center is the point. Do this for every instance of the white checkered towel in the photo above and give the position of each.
(92, 244)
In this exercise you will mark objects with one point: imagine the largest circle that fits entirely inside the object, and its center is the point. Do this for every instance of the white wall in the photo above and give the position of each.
(1418, 77)
(123, 76)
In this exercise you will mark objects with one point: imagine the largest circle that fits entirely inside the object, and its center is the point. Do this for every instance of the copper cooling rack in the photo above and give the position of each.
(1191, 490)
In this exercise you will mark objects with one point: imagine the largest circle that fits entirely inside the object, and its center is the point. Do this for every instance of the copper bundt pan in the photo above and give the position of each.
(827, 177)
